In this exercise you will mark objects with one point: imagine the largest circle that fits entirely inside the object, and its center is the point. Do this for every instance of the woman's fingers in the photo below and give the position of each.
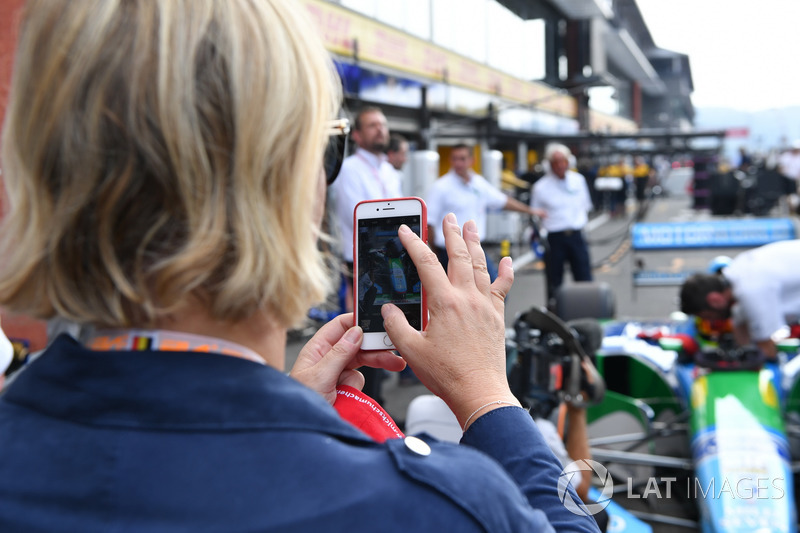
(467, 261)
(321, 363)
(379, 359)
(430, 270)
(461, 354)
(405, 338)
(347, 354)
(502, 285)
(459, 256)
(352, 378)
(332, 354)
(480, 271)
(417, 347)
(321, 343)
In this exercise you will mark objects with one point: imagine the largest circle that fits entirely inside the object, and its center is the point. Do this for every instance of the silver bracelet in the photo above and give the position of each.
(476, 411)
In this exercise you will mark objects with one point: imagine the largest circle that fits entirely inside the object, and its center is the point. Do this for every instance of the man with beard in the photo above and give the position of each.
(365, 175)
(469, 196)
(759, 290)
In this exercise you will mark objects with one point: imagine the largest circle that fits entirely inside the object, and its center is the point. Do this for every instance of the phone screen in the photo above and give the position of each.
(386, 273)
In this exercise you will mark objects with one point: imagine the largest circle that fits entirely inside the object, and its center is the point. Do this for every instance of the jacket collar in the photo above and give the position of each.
(169, 391)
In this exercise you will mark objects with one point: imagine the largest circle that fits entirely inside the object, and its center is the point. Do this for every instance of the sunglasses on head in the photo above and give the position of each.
(337, 146)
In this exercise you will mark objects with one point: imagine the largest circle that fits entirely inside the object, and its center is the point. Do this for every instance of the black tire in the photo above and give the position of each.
(585, 299)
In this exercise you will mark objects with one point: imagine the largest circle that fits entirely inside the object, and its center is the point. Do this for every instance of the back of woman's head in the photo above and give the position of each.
(159, 154)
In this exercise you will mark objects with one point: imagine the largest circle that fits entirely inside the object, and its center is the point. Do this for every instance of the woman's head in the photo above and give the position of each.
(159, 154)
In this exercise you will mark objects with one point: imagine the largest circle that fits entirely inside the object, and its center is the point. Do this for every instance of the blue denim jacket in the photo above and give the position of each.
(173, 441)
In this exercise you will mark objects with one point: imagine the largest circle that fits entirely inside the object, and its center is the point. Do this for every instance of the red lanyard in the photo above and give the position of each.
(139, 340)
(374, 173)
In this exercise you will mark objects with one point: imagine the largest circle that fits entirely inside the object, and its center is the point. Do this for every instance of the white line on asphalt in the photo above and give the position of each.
(596, 222)
(529, 257)
(523, 260)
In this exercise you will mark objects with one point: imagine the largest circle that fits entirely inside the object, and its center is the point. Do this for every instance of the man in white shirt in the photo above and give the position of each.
(759, 290)
(469, 196)
(564, 196)
(365, 175)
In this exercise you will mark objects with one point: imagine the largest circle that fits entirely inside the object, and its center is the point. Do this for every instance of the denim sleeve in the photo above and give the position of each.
(510, 436)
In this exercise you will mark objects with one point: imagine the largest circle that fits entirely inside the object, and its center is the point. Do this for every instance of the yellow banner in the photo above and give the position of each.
(347, 33)
(603, 123)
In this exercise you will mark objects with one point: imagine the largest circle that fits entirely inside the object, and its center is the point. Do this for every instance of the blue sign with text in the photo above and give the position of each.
(657, 279)
(711, 234)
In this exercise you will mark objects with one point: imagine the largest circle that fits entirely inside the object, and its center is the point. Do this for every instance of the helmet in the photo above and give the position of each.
(718, 263)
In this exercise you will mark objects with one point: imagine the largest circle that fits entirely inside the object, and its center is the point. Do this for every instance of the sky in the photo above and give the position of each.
(744, 54)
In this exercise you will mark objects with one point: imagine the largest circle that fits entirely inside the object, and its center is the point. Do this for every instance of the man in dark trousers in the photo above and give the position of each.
(563, 195)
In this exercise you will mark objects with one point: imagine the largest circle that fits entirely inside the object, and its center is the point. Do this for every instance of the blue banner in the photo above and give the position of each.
(656, 278)
(711, 234)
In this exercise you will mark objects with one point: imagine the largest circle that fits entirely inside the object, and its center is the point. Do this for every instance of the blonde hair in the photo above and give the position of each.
(157, 152)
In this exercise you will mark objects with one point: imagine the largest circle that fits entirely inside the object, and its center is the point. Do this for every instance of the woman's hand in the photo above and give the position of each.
(460, 357)
(331, 356)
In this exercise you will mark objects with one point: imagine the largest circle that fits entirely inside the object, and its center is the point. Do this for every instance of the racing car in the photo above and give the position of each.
(693, 430)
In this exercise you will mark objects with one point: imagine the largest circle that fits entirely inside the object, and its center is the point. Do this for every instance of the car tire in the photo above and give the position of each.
(585, 299)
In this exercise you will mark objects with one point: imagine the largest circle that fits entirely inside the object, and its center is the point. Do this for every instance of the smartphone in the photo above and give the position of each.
(382, 269)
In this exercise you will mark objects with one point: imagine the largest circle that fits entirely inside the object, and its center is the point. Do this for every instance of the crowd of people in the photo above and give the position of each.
(557, 197)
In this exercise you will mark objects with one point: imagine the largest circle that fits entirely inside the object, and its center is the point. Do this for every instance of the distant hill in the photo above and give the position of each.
(772, 128)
